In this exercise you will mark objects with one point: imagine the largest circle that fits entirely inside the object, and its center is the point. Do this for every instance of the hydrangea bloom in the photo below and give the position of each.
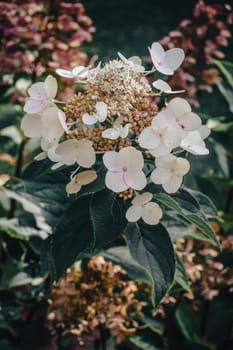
(114, 119)
(124, 170)
(79, 180)
(169, 172)
(166, 62)
(99, 116)
(41, 95)
(142, 207)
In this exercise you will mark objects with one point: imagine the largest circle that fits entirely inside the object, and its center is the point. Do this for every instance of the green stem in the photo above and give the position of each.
(18, 169)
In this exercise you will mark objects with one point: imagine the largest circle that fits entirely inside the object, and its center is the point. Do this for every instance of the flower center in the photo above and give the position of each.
(124, 168)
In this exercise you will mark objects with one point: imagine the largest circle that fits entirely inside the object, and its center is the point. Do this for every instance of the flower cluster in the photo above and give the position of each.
(99, 297)
(115, 118)
(203, 38)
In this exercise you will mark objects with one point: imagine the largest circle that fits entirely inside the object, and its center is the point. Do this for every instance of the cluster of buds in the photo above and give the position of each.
(115, 116)
(202, 38)
(99, 297)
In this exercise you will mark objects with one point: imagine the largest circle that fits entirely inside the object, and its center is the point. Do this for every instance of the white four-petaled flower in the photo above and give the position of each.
(124, 170)
(142, 207)
(79, 180)
(50, 124)
(169, 172)
(99, 116)
(117, 131)
(41, 95)
(166, 62)
(75, 151)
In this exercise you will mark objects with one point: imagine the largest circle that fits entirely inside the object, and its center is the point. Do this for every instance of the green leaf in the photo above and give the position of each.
(228, 76)
(8, 114)
(196, 219)
(121, 256)
(87, 226)
(147, 340)
(181, 276)
(151, 247)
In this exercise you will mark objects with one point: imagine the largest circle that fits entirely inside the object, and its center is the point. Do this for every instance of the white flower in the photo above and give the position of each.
(77, 72)
(194, 143)
(49, 150)
(49, 125)
(161, 137)
(141, 207)
(164, 87)
(166, 62)
(117, 131)
(179, 111)
(99, 116)
(169, 172)
(74, 151)
(79, 180)
(124, 170)
(134, 62)
(41, 95)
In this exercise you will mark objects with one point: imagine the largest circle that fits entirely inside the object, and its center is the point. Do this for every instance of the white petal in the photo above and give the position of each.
(41, 156)
(53, 156)
(50, 86)
(115, 181)
(204, 131)
(52, 129)
(152, 213)
(157, 53)
(178, 106)
(167, 162)
(122, 57)
(190, 121)
(89, 119)
(135, 179)
(64, 73)
(80, 72)
(31, 125)
(62, 119)
(141, 199)
(68, 150)
(174, 58)
(194, 144)
(133, 213)
(37, 91)
(86, 177)
(173, 185)
(131, 158)
(161, 150)
(35, 106)
(111, 134)
(159, 176)
(86, 154)
(112, 161)
(124, 131)
(162, 85)
(102, 111)
(182, 167)
(149, 138)
(73, 186)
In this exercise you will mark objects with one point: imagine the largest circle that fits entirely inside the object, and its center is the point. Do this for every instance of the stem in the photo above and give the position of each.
(18, 169)
(102, 338)
(205, 319)
(168, 330)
